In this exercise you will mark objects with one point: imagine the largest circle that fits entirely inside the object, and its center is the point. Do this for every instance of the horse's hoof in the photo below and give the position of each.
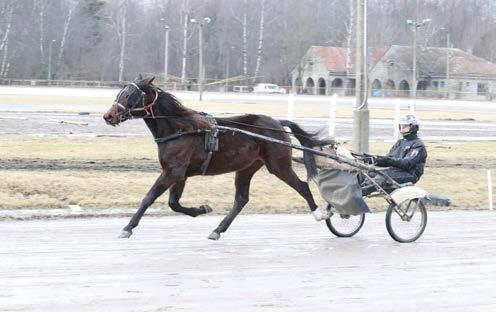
(214, 236)
(206, 208)
(125, 234)
(319, 215)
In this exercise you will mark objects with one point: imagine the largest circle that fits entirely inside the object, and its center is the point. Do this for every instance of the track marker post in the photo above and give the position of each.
(490, 189)
(291, 106)
(396, 120)
(332, 115)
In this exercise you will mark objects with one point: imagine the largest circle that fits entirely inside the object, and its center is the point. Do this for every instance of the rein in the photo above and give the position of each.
(148, 108)
(178, 135)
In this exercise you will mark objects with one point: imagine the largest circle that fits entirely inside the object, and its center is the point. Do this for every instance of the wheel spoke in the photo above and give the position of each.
(408, 221)
(345, 225)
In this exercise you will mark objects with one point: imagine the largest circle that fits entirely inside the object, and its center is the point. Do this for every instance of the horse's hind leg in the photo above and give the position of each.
(242, 182)
(175, 193)
(282, 169)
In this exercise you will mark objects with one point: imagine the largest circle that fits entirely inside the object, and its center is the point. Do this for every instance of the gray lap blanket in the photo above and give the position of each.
(341, 189)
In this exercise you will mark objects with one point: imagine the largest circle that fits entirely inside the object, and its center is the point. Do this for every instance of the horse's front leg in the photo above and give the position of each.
(159, 187)
(175, 193)
(242, 182)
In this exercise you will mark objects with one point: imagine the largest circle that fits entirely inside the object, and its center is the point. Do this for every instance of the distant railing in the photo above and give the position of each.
(233, 87)
(60, 83)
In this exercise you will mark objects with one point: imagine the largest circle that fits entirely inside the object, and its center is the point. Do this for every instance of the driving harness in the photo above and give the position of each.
(211, 139)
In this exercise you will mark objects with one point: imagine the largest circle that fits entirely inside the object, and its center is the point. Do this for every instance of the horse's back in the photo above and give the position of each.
(260, 124)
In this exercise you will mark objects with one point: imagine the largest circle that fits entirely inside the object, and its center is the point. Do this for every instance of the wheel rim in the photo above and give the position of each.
(407, 221)
(346, 225)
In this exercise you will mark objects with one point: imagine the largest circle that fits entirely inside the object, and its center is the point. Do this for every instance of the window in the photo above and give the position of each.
(467, 84)
(481, 88)
(435, 84)
(442, 84)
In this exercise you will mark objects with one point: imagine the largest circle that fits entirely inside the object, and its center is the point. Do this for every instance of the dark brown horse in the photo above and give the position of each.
(181, 132)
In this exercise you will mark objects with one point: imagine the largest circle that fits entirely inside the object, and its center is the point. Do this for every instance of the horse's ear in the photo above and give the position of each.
(140, 77)
(149, 80)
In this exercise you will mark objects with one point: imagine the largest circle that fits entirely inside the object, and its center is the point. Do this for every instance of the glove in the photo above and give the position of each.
(382, 160)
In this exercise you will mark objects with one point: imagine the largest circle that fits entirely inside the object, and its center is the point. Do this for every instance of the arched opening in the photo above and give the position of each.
(298, 85)
(350, 87)
(309, 86)
(322, 86)
(337, 86)
(390, 88)
(376, 88)
(422, 86)
(404, 89)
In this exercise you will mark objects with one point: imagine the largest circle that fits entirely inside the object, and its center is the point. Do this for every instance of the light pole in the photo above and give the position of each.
(200, 23)
(361, 114)
(415, 24)
(50, 59)
(166, 52)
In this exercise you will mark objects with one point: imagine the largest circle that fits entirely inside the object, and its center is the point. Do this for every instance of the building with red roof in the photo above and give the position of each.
(441, 72)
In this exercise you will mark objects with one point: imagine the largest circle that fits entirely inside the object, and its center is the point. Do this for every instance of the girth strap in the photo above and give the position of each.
(211, 143)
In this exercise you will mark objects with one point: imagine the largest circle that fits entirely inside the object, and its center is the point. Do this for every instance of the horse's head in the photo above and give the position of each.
(134, 100)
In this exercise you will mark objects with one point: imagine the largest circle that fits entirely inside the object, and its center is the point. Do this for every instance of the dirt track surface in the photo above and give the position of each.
(263, 263)
(149, 165)
(144, 165)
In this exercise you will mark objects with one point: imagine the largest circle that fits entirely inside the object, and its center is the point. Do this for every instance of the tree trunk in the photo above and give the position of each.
(4, 44)
(185, 10)
(123, 40)
(67, 24)
(42, 13)
(260, 41)
(245, 39)
(349, 42)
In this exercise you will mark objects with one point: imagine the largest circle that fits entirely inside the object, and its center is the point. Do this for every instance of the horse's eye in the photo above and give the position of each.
(127, 96)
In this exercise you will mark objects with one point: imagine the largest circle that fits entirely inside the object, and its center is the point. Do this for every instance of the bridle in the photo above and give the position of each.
(127, 111)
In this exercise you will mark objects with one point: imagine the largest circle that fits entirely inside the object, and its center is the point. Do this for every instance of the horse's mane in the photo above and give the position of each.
(183, 117)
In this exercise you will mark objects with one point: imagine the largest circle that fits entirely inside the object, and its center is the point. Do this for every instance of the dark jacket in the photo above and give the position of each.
(408, 154)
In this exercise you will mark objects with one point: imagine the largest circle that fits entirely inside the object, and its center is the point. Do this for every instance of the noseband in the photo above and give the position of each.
(128, 111)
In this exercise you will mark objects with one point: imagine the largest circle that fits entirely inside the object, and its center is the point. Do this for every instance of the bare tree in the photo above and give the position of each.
(123, 39)
(8, 10)
(185, 16)
(260, 40)
(350, 26)
(245, 39)
(63, 40)
(42, 5)
(111, 32)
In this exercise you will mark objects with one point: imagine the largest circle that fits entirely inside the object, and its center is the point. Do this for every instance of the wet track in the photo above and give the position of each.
(263, 263)
(49, 123)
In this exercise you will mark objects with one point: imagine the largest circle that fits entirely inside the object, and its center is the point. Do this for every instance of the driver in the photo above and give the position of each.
(406, 159)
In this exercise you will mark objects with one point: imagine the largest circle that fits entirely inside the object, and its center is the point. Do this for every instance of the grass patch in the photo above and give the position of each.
(454, 169)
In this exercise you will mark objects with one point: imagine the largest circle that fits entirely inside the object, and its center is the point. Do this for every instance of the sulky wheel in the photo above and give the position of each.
(345, 225)
(406, 222)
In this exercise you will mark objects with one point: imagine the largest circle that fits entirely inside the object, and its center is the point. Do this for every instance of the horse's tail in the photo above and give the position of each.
(307, 140)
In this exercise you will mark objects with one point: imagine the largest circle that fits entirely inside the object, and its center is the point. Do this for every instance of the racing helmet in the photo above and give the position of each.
(412, 121)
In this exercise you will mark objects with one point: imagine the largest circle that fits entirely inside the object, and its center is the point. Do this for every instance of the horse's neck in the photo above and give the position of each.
(177, 119)
(159, 127)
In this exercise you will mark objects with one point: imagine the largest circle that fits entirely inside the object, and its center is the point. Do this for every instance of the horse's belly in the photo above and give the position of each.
(224, 161)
